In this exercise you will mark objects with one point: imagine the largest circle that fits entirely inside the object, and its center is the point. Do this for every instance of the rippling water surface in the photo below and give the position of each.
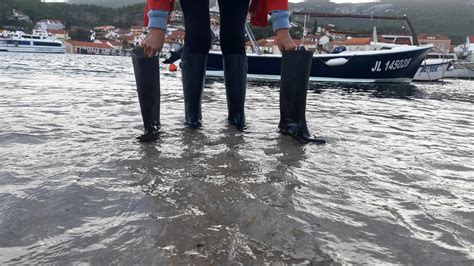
(394, 184)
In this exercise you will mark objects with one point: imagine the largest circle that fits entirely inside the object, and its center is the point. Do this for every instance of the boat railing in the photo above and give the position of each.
(330, 15)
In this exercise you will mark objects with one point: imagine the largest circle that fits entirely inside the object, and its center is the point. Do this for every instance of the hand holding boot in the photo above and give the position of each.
(153, 42)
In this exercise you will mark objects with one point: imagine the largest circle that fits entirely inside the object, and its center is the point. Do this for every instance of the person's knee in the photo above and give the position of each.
(198, 42)
(232, 44)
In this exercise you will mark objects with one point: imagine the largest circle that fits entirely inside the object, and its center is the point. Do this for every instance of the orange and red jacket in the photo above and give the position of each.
(259, 9)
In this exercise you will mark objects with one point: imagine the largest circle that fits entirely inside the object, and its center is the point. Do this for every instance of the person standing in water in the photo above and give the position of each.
(233, 15)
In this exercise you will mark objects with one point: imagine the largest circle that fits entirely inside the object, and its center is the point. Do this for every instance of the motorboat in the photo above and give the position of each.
(37, 42)
(382, 63)
(433, 69)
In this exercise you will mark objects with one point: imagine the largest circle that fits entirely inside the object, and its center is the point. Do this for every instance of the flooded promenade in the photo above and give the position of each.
(394, 184)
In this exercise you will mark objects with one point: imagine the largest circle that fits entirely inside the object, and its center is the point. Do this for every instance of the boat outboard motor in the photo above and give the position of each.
(174, 56)
(295, 72)
(147, 76)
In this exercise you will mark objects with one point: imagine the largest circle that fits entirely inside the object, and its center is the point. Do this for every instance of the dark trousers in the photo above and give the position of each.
(233, 14)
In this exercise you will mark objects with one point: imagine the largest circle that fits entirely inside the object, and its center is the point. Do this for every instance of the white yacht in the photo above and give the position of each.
(38, 42)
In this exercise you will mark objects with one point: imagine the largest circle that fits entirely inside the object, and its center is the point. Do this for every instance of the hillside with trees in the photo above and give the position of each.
(71, 14)
(454, 19)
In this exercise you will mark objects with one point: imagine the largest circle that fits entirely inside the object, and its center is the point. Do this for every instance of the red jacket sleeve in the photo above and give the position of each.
(259, 10)
(161, 4)
(157, 4)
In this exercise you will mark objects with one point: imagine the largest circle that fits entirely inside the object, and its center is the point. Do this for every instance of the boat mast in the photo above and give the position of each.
(329, 15)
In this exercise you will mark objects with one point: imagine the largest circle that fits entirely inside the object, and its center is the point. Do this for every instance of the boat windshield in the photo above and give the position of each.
(47, 44)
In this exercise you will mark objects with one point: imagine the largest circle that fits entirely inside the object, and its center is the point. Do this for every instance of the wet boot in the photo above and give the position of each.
(193, 68)
(147, 76)
(295, 72)
(235, 74)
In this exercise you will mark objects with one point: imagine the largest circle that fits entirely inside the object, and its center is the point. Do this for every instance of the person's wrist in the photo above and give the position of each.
(283, 32)
(157, 30)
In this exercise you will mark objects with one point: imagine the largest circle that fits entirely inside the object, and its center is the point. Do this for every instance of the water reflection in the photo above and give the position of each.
(219, 207)
(394, 184)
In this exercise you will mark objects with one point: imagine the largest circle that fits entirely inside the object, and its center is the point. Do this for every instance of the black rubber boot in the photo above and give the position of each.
(193, 68)
(147, 76)
(235, 74)
(295, 72)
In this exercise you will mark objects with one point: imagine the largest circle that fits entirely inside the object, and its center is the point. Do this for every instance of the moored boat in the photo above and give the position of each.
(38, 42)
(432, 70)
(462, 70)
(381, 64)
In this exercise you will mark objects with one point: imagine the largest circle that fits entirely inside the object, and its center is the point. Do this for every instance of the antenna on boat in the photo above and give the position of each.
(374, 35)
(304, 29)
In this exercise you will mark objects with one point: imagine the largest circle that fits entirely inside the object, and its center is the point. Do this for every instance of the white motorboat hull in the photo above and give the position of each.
(50, 50)
(38, 42)
(432, 70)
(397, 65)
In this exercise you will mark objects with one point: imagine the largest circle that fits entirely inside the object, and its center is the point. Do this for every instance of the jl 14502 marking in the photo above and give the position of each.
(391, 65)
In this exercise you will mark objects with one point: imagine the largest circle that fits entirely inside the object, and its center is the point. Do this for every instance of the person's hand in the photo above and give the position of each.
(284, 40)
(153, 42)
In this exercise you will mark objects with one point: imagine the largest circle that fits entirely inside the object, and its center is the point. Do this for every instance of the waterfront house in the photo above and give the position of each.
(94, 48)
(137, 30)
(50, 24)
(440, 43)
(104, 28)
(352, 44)
(176, 16)
(128, 39)
(177, 36)
(59, 34)
(116, 45)
(112, 35)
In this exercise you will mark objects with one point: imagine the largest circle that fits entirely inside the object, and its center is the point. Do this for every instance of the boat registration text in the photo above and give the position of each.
(391, 65)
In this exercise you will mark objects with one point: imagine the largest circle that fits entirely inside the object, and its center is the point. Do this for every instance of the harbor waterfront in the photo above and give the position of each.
(394, 184)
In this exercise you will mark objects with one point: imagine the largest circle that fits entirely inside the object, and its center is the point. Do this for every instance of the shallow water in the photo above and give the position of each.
(394, 184)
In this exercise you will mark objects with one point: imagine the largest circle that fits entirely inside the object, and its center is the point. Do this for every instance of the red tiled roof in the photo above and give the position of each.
(471, 39)
(89, 44)
(126, 38)
(299, 42)
(116, 43)
(177, 35)
(354, 41)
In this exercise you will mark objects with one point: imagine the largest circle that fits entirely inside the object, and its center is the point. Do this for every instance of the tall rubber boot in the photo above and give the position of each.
(295, 72)
(193, 68)
(147, 76)
(235, 74)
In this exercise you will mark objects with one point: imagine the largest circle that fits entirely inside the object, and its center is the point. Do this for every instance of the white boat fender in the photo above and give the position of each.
(337, 62)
